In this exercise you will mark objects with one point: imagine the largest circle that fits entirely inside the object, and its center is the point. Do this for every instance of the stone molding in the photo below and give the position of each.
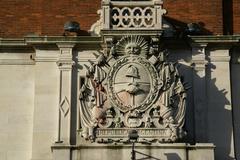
(215, 39)
(16, 62)
(44, 40)
(12, 42)
(40, 58)
(182, 151)
(139, 145)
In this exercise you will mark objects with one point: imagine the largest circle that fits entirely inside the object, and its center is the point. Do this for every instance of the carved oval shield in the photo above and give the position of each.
(133, 83)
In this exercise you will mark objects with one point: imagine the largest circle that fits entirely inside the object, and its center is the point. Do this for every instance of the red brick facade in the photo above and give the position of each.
(206, 12)
(236, 16)
(47, 17)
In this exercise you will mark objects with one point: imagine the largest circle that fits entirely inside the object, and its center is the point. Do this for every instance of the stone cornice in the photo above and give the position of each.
(142, 32)
(12, 42)
(48, 40)
(63, 39)
(16, 62)
(162, 145)
(215, 39)
(45, 40)
(139, 3)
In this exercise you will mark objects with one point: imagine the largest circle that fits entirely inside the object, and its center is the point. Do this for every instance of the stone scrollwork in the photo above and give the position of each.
(134, 88)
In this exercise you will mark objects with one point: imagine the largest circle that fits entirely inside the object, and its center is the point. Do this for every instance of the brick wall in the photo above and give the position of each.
(207, 13)
(236, 16)
(47, 17)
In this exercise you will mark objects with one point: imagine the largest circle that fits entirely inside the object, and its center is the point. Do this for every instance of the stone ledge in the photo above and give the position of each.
(168, 151)
(123, 31)
(26, 41)
(215, 39)
(12, 42)
(63, 39)
(16, 62)
(157, 145)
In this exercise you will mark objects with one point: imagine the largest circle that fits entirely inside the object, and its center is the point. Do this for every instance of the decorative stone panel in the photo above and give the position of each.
(124, 15)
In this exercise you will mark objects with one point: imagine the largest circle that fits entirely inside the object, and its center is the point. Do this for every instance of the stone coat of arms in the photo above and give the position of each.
(132, 87)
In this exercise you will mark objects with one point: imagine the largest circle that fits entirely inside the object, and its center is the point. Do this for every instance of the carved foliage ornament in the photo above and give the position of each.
(132, 88)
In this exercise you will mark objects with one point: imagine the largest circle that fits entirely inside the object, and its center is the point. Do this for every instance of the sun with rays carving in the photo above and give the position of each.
(132, 45)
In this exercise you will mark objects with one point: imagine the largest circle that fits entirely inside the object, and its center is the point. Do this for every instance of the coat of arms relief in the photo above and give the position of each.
(132, 87)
